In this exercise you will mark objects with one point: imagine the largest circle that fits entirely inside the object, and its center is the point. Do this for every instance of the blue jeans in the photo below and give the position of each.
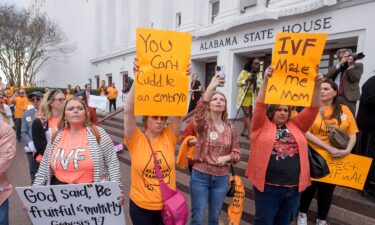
(277, 205)
(4, 208)
(207, 189)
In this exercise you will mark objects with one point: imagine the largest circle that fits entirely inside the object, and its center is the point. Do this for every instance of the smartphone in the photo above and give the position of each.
(220, 71)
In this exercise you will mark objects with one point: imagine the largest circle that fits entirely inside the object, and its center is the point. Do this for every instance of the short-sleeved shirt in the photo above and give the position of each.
(71, 161)
(145, 189)
(319, 128)
(21, 104)
(112, 93)
(284, 164)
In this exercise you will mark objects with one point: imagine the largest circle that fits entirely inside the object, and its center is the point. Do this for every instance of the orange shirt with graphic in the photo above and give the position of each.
(21, 104)
(112, 93)
(71, 161)
(319, 128)
(145, 190)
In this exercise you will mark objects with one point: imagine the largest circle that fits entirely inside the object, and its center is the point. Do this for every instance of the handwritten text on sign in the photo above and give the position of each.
(350, 171)
(295, 58)
(79, 204)
(162, 86)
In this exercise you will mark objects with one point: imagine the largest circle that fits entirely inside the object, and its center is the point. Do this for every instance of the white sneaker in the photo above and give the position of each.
(302, 219)
(321, 222)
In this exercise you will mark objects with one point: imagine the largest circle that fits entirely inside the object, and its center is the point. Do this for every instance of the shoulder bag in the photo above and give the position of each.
(232, 184)
(337, 138)
(175, 209)
(318, 165)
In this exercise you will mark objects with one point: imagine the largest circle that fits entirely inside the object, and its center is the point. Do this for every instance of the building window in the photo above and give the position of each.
(125, 78)
(214, 10)
(178, 20)
(109, 79)
(97, 82)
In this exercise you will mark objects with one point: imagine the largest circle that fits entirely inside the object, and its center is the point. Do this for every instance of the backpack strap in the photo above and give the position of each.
(96, 133)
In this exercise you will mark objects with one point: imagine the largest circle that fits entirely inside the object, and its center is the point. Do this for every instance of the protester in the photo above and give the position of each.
(196, 92)
(5, 112)
(347, 74)
(7, 153)
(88, 92)
(366, 137)
(216, 147)
(336, 115)
(112, 96)
(249, 82)
(278, 164)
(103, 89)
(21, 103)
(97, 159)
(77, 89)
(146, 200)
(68, 94)
(187, 148)
(28, 117)
(92, 114)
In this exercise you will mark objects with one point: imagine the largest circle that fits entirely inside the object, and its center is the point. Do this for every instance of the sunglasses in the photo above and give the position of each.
(21, 93)
(35, 99)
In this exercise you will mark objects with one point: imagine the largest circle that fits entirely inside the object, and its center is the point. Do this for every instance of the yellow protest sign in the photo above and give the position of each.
(350, 171)
(161, 85)
(294, 59)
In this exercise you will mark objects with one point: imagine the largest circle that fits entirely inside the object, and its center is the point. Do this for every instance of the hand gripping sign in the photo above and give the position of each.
(161, 84)
(294, 59)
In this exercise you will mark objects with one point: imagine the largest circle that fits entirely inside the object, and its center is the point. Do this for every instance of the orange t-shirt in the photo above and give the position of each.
(145, 190)
(112, 93)
(21, 104)
(68, 96)
(71, 161)
(52, 128)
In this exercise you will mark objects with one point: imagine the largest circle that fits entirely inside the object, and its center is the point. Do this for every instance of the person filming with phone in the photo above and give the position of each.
(249, 82)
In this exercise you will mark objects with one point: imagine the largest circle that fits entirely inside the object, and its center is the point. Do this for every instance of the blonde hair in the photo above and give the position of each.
(49, 97)
(86, 122)
(224, 115)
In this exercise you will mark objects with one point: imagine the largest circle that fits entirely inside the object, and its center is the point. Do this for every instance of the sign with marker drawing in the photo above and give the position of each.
(295, 59)
(161, 84)
(79, 204)
(350, 171)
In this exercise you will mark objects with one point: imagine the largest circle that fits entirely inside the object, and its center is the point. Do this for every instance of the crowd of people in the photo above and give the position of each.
(56, 124)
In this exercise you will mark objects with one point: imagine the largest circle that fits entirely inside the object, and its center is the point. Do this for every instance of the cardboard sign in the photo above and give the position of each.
(88, 204)
(161, 85)
(350, 171)
(295, 59)
(99, 102)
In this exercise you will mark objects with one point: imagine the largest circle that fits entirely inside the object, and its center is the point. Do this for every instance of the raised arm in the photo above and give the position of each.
(130, 123)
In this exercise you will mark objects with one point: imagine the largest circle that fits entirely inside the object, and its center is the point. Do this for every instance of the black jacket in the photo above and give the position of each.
(366, 111)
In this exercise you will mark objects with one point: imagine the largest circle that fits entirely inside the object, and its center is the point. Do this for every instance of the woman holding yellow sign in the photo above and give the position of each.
(278, 164)
(332, 113)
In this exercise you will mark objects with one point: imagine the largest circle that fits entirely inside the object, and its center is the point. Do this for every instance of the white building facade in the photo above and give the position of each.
(225, 32)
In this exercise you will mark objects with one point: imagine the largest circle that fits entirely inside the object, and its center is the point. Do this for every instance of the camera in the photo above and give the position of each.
(220, 71)
(358, 56)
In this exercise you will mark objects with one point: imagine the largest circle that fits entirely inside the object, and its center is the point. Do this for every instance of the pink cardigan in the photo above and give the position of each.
(263, 136)
(7, 153)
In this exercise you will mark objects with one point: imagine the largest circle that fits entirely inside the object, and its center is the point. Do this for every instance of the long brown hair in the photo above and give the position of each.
(224, 115)
(62, 120)
(337, 110)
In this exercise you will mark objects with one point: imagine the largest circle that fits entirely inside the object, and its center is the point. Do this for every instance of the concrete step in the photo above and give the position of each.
(348, 206)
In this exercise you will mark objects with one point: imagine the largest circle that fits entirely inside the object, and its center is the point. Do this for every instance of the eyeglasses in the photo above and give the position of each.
(21, 93)
(35, 99)
(60, 100)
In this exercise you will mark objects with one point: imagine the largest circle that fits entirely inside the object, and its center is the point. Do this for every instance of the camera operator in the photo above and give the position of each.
(249, 82)
(346, 75)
